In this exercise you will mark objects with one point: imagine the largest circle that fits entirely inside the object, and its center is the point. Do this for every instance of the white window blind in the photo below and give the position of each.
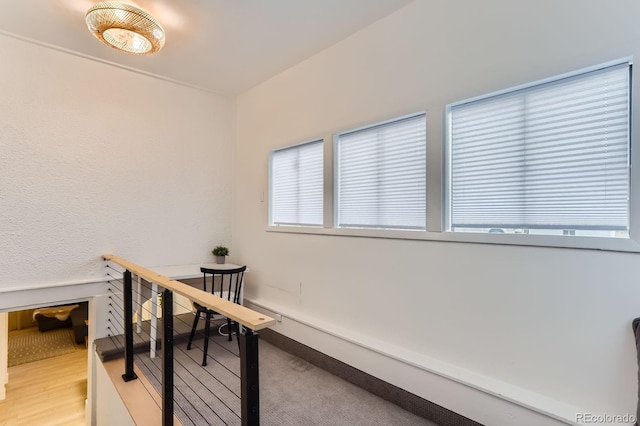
(551, 156)
(297, 185)
(381, 176)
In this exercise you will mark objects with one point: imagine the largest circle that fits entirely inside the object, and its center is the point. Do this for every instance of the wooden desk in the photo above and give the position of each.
(176, 272)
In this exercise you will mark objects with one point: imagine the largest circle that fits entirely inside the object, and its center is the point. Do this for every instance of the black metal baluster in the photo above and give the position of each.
(250, 390)
(128, 328)
(167, 358)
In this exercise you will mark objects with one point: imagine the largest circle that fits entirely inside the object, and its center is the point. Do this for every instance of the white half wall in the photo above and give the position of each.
(110, 409)
(543, 328)
(99, 159)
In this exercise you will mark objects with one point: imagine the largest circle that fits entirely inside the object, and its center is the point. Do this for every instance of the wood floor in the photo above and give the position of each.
(49, 392)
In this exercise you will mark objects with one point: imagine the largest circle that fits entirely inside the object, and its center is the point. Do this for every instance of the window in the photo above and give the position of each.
(552, 158)
(380, 175)
(296, 185)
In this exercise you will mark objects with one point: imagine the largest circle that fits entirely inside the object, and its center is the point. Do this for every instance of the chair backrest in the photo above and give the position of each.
(228, 285)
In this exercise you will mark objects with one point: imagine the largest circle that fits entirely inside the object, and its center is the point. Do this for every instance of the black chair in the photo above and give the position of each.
(227, 286)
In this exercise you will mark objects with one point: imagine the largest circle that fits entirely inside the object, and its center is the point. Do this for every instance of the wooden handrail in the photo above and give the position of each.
(245, 316)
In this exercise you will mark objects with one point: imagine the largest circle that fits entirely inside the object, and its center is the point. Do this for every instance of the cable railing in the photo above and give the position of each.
(226, 392)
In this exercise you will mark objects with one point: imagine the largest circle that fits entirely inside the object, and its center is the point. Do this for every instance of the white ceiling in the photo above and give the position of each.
(225, 46)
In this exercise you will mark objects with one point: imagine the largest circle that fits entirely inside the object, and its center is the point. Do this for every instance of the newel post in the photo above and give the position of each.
(250, 389)
(167, 358)
(128, 328)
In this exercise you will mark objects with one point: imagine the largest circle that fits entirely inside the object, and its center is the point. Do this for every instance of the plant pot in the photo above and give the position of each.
(220, 259)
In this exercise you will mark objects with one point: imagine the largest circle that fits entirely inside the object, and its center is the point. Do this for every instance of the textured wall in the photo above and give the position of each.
(95, 159)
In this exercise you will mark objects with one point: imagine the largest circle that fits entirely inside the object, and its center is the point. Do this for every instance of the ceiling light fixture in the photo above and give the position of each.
(125, 27)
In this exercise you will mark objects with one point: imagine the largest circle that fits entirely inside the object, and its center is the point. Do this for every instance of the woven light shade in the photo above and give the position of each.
(125, 27)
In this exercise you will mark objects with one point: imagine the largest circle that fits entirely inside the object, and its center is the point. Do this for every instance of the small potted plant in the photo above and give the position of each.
(220, 252)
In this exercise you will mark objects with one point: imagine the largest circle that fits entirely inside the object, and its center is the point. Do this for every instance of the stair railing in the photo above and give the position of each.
(251, 321)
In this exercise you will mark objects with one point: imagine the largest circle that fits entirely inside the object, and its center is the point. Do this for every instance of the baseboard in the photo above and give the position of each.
(387, 391)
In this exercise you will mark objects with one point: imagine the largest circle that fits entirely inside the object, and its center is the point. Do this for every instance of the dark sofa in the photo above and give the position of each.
(76, 320)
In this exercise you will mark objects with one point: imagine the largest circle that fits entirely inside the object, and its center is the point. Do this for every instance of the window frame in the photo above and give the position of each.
(271, 184)
(334, 164)
(447, 140)
(437, 214)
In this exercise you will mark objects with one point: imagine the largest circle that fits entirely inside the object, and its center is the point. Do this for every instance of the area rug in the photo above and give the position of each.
(33, 345)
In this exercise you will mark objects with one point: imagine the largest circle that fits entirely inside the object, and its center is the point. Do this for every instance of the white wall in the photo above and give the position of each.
(546, 328)
(97, 159)
(109, 407)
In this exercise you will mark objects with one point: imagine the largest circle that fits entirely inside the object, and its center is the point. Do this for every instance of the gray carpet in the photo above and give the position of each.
(292, 391)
